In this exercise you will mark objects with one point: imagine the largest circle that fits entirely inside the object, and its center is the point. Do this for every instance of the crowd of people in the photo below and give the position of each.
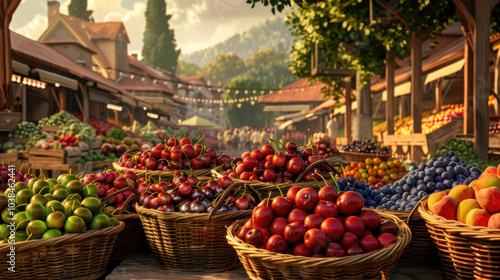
(244, 138)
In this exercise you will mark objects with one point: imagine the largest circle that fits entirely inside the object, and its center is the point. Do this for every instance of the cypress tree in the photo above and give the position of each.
(159, 48)
(78, 8)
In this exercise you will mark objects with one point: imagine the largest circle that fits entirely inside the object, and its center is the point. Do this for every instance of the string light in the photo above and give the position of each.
(115, 107)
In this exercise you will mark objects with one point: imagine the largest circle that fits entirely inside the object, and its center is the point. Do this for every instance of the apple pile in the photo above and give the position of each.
(18, 176)
(173, 156)
(476, 204)
(270, 165)
(190, 195)
(109, 182)
(322, 143)
(317, 224)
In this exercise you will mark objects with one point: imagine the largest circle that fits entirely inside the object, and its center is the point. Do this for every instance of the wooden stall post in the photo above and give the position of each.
(416, 82)
(468, 89)
(438, 91)
(389, 103)
(348, 110)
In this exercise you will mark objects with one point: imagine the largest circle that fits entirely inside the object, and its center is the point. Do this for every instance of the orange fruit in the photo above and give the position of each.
(369, 161)
(361, 165)
(377, 161)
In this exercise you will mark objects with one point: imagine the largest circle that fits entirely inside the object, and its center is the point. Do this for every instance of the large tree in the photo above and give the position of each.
(246, 112)
(159, 48)
(78, 8)
(223, 68)
(186, 69)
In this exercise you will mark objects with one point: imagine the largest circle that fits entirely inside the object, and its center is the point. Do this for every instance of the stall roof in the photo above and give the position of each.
(299, 91)
(453, 53)
(147, 85)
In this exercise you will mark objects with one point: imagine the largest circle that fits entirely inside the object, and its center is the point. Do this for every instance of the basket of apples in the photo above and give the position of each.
(163, 159)
(313, 234)
(119, 194)
(185, 221)
(270, 170)
(464, 224)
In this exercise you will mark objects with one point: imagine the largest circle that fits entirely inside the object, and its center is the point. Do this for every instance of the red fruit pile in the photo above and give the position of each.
(68, 140)
(317, 224)
(189, 195)
(322, 143)
(111, 181)
(175, 155)
(266, 165)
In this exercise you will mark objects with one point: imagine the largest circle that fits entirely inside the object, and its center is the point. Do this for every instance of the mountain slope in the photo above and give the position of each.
(270, 34)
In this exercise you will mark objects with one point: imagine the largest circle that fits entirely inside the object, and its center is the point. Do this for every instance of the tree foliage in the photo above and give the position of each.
(186, 69)
(244, 113)
(223, 68)
(263, 56)
(346, 38)
(78, 8)
(159, 48)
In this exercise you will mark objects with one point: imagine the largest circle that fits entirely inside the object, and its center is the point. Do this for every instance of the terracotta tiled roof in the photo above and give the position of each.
(26, 50)
(178, 100)
(69, 42)
(142, 66)
(195, 79)
(299, 91)
(137, 84)
(106, 30)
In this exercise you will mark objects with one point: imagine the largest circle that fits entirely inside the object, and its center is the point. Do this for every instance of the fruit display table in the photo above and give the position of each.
(419, 146)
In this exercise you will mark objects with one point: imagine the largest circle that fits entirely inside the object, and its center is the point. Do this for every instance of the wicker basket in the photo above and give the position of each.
(190, 241)
(361, 157)
(73, 256)
(264, 187)
(132, 240)
(263, 264)
(421, 250)
(465, 251)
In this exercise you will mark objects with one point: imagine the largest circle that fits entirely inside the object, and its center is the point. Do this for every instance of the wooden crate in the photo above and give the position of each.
(9, 157)
(51, 129)
(23, 154)
(95, 148)
(46, 152)
(19, 140)
(108, 163)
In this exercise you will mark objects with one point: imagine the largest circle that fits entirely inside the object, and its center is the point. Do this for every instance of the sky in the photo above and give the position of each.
(197, 23)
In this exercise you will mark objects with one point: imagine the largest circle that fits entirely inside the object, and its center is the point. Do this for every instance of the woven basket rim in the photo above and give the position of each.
(403, 239)
(161, 172)
(176, 216)
(364, 154)
(74, 238)
(456, 227)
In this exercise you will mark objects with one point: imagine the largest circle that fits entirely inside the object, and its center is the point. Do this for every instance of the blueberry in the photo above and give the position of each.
(422, 166)
(431, 186)
(406, 195)
(467, 181)
(393, 208)
(439, 170)
(403, 204)
(415, 199)
(413, 191)
(475, 169)
(438, 164)
(380, 207)
(475, 175)
(407, 188)
(400, 209)
(451, 154)
(438, 178)
(411, 181)
(396, 197)
(452, 164)
(452, 172)
(420, 182)
(383, 200)
(413, 168)
(391, 203)
(399, 190)
(441, 159)
(351, 180)
(421, 194)
(456, 183)
(385, 189)
(440, 186)
(378, 198)
(421, 175)
(448, 183)
(446, 175)
(393, 189)
(422, 188)
(409, 207)
(430, 173)
(446, 161)
(373, 204)
(428, 179)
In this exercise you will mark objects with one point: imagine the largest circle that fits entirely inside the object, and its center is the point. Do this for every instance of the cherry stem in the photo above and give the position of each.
(335, 181)
(279, 190)
(276, 149)
(268, 199)
(322, 177)
(29, 237)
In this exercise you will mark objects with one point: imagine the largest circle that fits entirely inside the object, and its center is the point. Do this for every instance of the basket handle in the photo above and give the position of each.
(111, 196)
(228, 191)
(130, 151)
(313, 165)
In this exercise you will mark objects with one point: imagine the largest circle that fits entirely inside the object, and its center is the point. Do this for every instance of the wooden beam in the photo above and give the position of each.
(86, 102)
(24, 100)
(438, 90)
(416, 82)
(392, 10)
(462, 9)
(79, 103)
(389, 103)
(56, 99)
(348, 110)
(496, 83)
(481, 84)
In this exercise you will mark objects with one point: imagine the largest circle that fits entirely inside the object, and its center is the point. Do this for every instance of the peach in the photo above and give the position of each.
(478, 217)
(490, 170)
(461, 192)
(486, 182)
(494, 221)
(435, 197)
(446, 208)
(489, 199)
(465, 207)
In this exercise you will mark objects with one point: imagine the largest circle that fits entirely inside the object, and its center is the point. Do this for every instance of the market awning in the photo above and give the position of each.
(20, 68)
(286, 108)
(341, 110)
(445, 71)
(199, 122)
(399, 90)
(98, 97)
(54, 78)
